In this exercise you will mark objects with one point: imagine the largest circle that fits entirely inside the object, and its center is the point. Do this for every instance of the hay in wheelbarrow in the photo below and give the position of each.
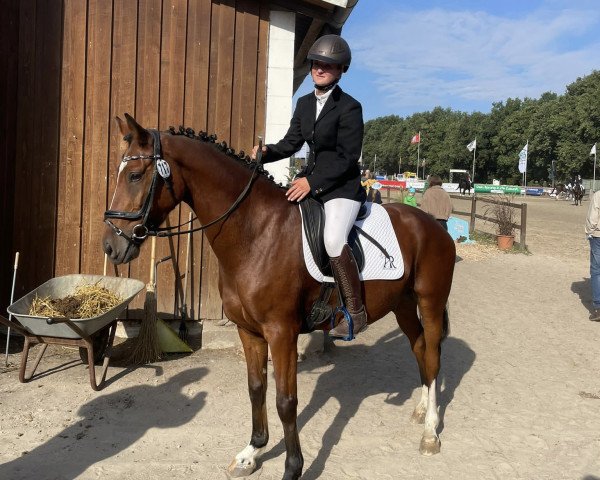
(86, 302)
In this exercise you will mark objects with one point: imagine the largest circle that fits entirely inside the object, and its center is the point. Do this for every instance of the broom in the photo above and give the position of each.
(147, 348)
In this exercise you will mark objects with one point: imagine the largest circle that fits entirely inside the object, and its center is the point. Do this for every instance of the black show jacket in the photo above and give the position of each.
(335, 142)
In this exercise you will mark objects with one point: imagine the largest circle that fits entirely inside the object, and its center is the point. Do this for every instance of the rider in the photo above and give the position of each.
(331, 122)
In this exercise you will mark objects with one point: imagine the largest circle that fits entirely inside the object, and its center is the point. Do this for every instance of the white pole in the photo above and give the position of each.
(474, 150)
(418, 154)
(374, 165)
(12, 297)
(594, 184)
(594, 181)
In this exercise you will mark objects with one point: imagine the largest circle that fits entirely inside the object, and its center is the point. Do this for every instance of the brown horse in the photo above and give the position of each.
(578, 192)
(265, 287)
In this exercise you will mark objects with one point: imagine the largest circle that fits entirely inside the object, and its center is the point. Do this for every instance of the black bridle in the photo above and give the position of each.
(143, 230)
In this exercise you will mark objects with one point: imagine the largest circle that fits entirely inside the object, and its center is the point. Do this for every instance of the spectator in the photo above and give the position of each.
(374, 193)
(436, 201)
(592, 230)
(409, 198)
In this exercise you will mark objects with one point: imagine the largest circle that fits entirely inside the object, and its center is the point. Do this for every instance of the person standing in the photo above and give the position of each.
(409, 198)
(436, 201)
(592, 230)
(374, 193)
(330, 121)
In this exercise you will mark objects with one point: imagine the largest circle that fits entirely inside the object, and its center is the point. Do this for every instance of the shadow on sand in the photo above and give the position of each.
(361, 371)
(78, 447)
(583, 289)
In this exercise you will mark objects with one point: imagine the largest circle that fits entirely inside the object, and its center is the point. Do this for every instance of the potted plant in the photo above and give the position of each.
(502, 214)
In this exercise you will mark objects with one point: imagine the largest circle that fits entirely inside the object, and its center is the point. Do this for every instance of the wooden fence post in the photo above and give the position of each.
(473, 211)
(523, 238)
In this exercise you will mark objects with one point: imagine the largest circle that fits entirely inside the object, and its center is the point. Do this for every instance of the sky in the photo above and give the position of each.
(410, 56)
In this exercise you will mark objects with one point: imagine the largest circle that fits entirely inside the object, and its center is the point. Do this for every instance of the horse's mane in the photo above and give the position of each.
(240, 157)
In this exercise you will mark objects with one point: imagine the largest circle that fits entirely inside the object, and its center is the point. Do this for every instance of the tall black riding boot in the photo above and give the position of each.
(345, 272)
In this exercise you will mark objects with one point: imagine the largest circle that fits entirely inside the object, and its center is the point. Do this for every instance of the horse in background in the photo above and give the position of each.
(578, 192)
(560, 191)
(464, 185)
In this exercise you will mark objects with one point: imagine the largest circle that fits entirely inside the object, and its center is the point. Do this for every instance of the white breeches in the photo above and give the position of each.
(340, 214)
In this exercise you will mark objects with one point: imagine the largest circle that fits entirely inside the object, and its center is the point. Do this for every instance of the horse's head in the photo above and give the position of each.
(140, 202)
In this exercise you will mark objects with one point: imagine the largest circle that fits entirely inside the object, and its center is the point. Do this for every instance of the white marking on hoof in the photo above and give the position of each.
(430, 445)
(244, 462)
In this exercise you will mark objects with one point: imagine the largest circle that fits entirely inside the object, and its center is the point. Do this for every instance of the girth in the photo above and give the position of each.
(313, 222)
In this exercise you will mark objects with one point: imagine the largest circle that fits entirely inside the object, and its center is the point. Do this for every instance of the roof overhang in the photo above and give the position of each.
(314, 18)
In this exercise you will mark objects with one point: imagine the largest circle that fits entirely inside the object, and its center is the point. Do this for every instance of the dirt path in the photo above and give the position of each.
(520, 391)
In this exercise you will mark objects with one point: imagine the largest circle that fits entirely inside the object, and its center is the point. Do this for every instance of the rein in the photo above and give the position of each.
(141, 231)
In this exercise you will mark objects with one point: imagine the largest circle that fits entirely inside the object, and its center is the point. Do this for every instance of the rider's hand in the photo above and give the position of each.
(255, 151)
(300, 188)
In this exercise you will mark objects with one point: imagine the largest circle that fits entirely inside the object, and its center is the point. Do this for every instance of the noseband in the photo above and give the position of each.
(140, 232)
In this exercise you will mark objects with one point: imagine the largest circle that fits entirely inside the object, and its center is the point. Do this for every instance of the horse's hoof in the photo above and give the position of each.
(430, 445)
(418, 417)
(241, 469)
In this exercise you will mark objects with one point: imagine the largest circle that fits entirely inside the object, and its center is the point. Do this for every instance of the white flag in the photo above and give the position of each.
(472, 146)
(523, 158)
(593, 150)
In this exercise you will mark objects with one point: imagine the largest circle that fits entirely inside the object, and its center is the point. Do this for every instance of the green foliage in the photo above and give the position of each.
(560, 128)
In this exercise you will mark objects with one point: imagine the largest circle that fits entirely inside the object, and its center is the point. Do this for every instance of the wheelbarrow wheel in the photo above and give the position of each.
(100, 342)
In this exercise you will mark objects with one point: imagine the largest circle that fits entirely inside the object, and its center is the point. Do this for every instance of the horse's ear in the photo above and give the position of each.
(139, 133)
(123, 128)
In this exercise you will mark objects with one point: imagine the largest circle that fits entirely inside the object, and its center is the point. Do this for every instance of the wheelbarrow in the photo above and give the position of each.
(94, 336)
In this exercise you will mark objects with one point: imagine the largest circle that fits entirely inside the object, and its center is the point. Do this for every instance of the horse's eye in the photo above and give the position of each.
(134, 177)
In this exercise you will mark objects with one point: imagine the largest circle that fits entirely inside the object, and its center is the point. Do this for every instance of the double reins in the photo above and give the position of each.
(141, 231)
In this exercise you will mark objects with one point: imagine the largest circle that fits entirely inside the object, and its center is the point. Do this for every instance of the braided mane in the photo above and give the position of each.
(240, 157)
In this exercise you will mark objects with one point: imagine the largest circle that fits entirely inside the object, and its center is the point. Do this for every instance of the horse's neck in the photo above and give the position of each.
(214, 181)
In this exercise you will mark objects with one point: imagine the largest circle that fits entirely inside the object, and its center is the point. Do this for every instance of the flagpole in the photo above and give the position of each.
(419, 154)
(525, 173)
(474, 151)
(594, 181)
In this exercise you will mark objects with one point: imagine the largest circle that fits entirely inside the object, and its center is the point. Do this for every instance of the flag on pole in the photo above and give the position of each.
(523, 158)
(416, 138)
(593, 150)
(472, 146)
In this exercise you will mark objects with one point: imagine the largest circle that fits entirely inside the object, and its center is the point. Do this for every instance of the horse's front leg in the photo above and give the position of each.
(284, 354)
(255, 350)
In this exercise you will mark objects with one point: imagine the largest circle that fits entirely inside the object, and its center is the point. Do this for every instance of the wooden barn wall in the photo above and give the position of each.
(9, 50)
(198, 63)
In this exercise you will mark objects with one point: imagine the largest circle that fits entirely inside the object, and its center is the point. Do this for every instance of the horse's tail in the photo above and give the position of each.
(446, 323)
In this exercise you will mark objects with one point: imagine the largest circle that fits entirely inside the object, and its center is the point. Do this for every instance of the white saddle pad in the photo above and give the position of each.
(378, 225)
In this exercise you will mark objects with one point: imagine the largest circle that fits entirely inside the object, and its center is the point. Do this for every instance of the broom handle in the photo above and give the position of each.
(187, 265)
(152, 281)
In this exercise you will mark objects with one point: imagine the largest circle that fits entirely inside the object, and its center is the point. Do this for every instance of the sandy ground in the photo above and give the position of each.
(520, 390)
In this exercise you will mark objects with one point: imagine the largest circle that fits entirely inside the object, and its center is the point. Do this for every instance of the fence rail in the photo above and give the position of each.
(472, 214)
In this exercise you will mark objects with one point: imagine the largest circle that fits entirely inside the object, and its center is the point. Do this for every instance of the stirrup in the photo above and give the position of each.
(348, 317)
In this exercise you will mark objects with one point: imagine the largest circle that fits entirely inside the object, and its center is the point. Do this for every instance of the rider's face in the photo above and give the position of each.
(325, 73)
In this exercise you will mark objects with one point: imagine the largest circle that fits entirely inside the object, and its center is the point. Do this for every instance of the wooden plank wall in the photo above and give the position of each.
(9, 55)
(198, 63)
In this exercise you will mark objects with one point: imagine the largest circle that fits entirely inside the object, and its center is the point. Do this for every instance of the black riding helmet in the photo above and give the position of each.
(331, 49)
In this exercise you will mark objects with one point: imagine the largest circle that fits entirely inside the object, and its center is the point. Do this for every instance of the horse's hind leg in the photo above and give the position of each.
(425, 338)
(408, 321)
(255, 350)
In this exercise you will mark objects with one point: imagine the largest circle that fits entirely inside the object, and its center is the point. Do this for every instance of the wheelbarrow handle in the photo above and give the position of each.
(53, 320)
(12, 324)
(70, 324)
